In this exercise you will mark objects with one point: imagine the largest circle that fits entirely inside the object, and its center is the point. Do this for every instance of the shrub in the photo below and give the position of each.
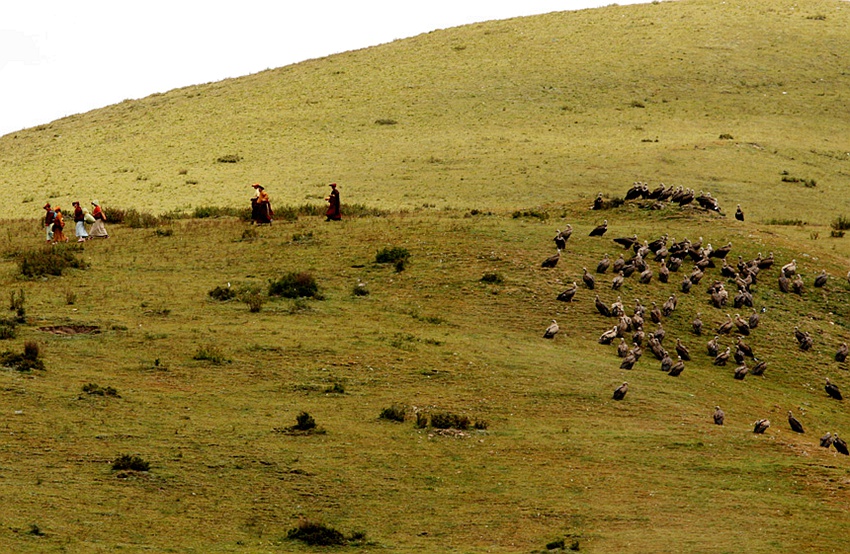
(50, 260)
(229, 159)
(447, 420)
(836, 234)
(97, 390)
(210, 354)
(797, 222)
(393, 413)
(336, 388)
(360, 289)
(840, 224)
(385, 121)
(140, 220)
(70, 297)
(163, 232)
(202, 212)
(316, 534)
(8, 329)
(132, 463)
(400, 265)
(16, 304)
(31, 350)
(421, 420)
(304, 422)
(391, 255)
(27, 361)
(222, 294)
(295, 285)
(542, 215)
(254, 299)
(494, 278)
(250, 234)
(726, 136)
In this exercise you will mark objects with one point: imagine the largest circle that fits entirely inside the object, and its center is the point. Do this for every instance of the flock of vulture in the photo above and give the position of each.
(658, 259)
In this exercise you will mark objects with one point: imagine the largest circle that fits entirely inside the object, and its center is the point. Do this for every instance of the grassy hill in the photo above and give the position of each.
(509, 129)
(492, 115)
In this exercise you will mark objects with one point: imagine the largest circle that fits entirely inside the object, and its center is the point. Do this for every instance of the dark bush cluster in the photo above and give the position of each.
(96, 390)
(132, 463)
(295, 285)
(30, 358)
(222, 294)
(229, 159)
(315, 533)
(391, 254)
(542, 215)
(493, 278)
(50, 260)
(393, 413)
(841, 223)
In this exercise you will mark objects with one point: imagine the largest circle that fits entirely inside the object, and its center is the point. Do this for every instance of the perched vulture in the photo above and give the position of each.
(726, 327)
(588, 279)
(742, 325)
(552, 261)
(719, 416)
(640, 309)
(697, 325)
(645, 276)
(795, 423)
(666, 363)
(797, 286)
(618, 281)
(627, 242)
(655, 314)
(674, 263)
(826, 440)
(784, 283)
(807, 342)
(682, 350)
(603, 264)
(712, 347)
(841, 355)
(721, 252)
(599, 230)
(745, 348)
(617, 309)
(663, 273)
(562, 237)
(552, 330)
(741, 372)
(739, 214)
(832, 390)
(622, 348)
(761, 426)
(669, 306)
(723, 357)
(620, 392)
(840, 445)
(619, 263)
(820, 280)
(766, 263)
(753, 321)
(677, 368)
(686, 284)
(790, 268)
(608, 336)
(567, 295)
(739, 356)
(598, 202)
(602, 307)
(759, 368)
(727, 271)
(799, 335)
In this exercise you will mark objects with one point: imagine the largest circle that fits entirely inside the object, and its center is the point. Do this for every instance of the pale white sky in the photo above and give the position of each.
(62, 57)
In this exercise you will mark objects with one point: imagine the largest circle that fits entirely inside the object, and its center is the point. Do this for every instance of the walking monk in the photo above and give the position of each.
(333, 213)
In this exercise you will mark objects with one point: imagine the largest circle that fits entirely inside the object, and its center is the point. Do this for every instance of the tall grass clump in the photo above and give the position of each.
(295, 284)
(841, 223)
(314, 533)
(50, 260)
(30, 358)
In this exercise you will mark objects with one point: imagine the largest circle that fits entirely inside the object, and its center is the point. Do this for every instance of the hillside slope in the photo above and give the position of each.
(501, 114)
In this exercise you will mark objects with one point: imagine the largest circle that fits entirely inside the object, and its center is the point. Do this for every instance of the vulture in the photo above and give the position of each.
(608, 336)
(761, 426)
(638, 337)
(790, 268)
(697, 325)
(753, 321)
(666, 363)
(599, 230)
(552, 330)
(795, 423)
(743, 298)
(726, 327)
(635, 191)
(721, 252)
(687, 198)
(820, 280)
(739, 214)
(727, 271)
(682, 350)
(674, 263)
(784, 283)
(745, 348)
(640, 309)
(618, 264)
(567, 295)
(677, 368)
(602, 307)
(618, 281)
(797, 286)
(686, 284)
(622, 348)
(657, 350)
(741, 372)
(832, 389)
(627, 242)
(620, 392)
(841, 355)
(696, 275)
(739, 356)
(742, 325)
(719, 296)
(759, 368)
(659, 333)
(628, 269)
(663, 273)
(562, 237)
(840, 445)
(712, 347)
(799, 335)
(598, 202)
(826, 440)
(669, 306)
(645, 276)
(552, 261)
(658, 244)
(719, 416)
(807, 342)
(766, 263)
(617, 309)
(655, 314)
(723, 357)
(588, 279)
(603, 264)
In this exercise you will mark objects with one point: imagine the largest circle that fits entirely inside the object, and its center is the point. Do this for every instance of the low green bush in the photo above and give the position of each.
(295, 284)
(391, 255)
(133, 463)
(50, 260)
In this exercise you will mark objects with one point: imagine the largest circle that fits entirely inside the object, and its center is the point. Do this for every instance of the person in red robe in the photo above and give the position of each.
(333, 213)
(59, 227)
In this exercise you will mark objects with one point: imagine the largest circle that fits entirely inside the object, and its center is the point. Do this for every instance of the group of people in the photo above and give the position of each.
(262, 213)
(54, 223)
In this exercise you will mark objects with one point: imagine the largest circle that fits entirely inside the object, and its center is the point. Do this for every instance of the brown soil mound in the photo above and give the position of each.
(71, 329)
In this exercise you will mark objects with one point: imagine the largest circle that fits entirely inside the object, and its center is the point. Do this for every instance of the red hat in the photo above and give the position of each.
(256, 185)
(333, 185)
(47, 206)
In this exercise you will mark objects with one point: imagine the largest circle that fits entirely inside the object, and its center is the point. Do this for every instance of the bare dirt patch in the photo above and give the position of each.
(71, 329)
